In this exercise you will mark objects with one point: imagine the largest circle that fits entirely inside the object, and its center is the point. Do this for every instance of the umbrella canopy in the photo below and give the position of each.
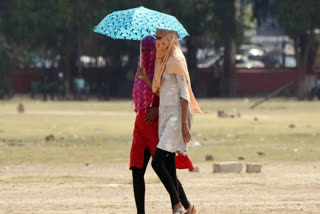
(136, 23)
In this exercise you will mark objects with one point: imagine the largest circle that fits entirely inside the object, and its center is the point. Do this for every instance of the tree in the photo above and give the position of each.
(6, 64)
(6, 67)
(225, 12)
(53, 25)
(198, 18)
(299, 22)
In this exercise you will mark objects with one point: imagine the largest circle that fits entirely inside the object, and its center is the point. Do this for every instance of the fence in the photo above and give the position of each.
(249, 81)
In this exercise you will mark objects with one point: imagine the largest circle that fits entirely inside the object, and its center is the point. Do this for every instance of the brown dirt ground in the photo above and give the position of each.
(46, 189)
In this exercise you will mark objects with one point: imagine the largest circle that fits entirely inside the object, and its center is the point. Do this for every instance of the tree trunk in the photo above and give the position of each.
(297, 53)
(306, 50)
(69, 62)
(116, 70)
(230, 77)
(229, 67)
(67, 73)
(306, 41)
(191, 57)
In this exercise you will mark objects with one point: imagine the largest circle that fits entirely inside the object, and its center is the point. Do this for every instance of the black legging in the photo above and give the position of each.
(164, 165)
(139, 185)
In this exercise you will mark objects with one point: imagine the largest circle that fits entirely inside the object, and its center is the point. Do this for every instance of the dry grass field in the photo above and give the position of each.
(72, 157)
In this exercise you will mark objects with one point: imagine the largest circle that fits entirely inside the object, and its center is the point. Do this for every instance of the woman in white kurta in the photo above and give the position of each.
(173, 88)
(172, 82)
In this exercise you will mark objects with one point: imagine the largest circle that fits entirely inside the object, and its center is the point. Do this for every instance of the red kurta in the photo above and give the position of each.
(145, 135)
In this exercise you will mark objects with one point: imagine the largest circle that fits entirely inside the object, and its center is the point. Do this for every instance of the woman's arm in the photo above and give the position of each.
(184, 100)
(184, 120)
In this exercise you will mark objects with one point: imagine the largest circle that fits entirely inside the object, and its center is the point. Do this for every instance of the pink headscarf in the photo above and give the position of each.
(142, 94)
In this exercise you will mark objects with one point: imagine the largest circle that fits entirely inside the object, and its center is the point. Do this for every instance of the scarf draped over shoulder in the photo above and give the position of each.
(170, 60)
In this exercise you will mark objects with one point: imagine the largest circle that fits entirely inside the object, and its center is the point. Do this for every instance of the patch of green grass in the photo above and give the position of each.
(101, 132)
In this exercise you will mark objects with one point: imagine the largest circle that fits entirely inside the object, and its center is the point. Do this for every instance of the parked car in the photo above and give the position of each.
(244, 62)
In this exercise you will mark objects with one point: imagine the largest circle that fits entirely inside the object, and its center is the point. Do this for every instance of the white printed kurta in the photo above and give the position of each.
(173, 87)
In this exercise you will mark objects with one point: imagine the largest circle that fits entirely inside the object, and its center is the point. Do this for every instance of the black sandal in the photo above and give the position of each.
(178, 211)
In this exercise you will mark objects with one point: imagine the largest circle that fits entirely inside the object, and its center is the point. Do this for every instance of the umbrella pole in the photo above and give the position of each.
(140, 58)
(140, 53)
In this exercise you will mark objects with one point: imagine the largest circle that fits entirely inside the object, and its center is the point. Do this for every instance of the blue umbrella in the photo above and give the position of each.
(136, 23)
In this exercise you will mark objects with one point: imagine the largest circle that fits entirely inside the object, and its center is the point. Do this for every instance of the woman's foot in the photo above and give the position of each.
(191, 210)
(178, 209)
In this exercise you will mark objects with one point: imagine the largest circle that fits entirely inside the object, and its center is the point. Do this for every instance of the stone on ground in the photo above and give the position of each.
(196, 169)
(227, 167)
(253, 168)
(209, 158)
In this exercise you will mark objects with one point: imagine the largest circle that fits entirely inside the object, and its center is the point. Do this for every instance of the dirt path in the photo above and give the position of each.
(280, 188)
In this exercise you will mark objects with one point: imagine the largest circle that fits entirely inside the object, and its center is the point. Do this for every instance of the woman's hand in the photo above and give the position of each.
(152, 114)
(142, 74)
(186, 135)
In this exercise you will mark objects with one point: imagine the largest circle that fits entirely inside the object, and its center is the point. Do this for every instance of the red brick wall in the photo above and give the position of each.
(21, 79)
(250, 81)
(262, 80)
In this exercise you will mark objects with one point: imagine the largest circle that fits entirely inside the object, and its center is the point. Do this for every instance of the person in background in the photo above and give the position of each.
(216, 79)
(79, 87)
(61, 88)
(315, 91)
(47, 87)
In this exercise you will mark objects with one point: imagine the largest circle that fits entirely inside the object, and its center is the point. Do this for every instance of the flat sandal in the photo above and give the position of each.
(193, 211)
(178, 211)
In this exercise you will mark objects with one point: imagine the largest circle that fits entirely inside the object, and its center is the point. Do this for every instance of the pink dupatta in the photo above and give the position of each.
(142, 94)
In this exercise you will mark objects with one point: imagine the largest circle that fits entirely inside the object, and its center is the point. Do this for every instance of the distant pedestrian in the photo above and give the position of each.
(315, 91)
(216, 79)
